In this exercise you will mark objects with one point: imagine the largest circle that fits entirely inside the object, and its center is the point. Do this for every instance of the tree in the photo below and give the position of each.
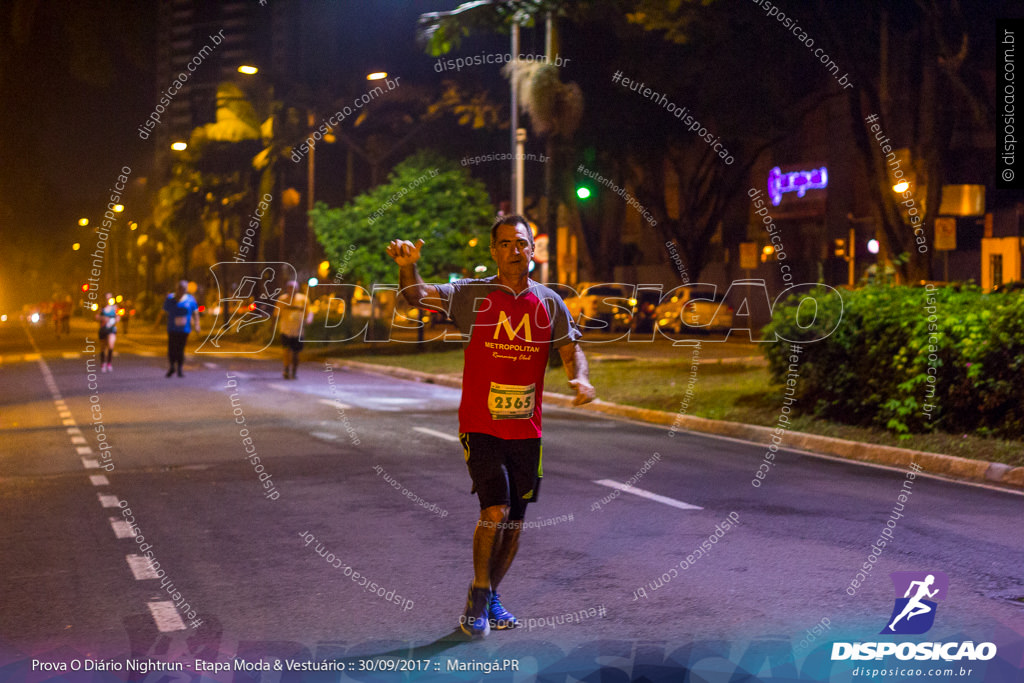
(425, 197)
(920, 90)
(681, 179)
(554, 107)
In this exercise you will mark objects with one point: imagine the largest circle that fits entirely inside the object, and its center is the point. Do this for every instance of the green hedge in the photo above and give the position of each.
(873, 369)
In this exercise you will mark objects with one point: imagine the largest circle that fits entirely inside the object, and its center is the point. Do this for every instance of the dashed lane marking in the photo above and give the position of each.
(326, 436)
(166, 616)
(335, 403)
(122, 529)
(434, 432)
(626, 488)
(142, 568)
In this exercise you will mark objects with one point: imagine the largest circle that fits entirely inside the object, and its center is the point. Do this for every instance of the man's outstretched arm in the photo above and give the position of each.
(406, 254)
(578, 371)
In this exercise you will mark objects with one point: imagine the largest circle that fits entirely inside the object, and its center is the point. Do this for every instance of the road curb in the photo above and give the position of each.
(950, 466)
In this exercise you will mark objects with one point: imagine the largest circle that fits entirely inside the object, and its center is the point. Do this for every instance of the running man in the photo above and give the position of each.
(512, 323)
(182, 313)
(914, 606)
(291, 307)
(108, 318)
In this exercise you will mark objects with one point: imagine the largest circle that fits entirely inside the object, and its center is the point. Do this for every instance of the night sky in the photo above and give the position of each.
(77, 79)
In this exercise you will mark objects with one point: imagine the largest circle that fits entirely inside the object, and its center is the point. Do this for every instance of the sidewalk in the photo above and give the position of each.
(946, 466)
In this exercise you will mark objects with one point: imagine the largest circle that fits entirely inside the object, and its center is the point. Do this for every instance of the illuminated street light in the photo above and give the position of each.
(473, 242)
(248, 70)
(901, 186)
(377, 75)
(873, 246)
(118, 208)
(179, 146)
(76, 246)
(83, 222)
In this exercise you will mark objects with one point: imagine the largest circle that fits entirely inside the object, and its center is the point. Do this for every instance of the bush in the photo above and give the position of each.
(909, 359)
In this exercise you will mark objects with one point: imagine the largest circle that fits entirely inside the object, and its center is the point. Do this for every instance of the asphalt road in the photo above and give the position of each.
(367, 468)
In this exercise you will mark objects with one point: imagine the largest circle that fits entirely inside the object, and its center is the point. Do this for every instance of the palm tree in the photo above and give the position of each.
(554, 108)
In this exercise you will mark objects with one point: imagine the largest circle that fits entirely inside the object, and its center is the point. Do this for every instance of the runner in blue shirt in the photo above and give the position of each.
(182, 313)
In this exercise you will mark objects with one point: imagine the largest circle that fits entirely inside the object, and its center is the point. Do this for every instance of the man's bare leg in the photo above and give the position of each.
(505, 547)
(484, 543)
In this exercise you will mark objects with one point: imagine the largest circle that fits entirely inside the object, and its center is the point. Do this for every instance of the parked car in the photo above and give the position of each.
(645, 306)
(700, 310)
(601, 306)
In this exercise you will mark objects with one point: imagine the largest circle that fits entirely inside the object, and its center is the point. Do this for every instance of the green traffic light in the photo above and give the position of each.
(583, 192)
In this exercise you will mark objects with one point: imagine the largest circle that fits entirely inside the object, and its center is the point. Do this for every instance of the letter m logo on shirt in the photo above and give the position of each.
(505, 324)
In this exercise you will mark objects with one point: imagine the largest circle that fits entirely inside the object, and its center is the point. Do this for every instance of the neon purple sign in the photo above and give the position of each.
(798, 181)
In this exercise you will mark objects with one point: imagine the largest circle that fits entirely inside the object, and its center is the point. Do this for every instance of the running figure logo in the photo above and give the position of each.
(914, 612)
(250, 300)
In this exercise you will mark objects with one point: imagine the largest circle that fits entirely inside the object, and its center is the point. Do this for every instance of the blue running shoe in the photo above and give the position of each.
(500, 617)
(474, 622)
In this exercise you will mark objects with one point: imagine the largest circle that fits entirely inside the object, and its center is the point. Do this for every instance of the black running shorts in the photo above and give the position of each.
(504, 471)
(291, 343)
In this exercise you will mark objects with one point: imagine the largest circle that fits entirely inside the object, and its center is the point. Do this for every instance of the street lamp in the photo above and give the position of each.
(83, 222)
(179, 146)
(901, 187)
(248, 69)
(376, 75)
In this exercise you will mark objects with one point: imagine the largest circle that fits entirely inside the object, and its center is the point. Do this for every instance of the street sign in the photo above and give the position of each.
(540, 248)
(748, 255)
(945, 234)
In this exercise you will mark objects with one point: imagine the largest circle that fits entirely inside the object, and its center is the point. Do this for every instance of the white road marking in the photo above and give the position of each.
(64, 414)
(440, 435)
(122, 529)
(90, 464)
(78, 439)
(166, 616)
(212, 366)
(327, 436)
(626, 488)
(108, 501)
(335, 403)
(74, 430)
(141, 567)
(68, 423)
(84, 450)
(99, 480)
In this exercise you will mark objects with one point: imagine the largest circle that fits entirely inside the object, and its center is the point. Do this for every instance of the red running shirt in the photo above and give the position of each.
(506, 356)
